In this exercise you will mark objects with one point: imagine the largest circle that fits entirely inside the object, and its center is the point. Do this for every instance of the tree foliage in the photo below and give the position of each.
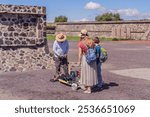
(108, 17)
(61, 19)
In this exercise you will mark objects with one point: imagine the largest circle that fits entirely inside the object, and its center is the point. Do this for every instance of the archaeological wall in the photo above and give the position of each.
(138, 30)
(23, 44)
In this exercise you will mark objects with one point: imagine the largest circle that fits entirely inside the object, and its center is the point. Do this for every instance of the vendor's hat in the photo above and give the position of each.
(83, 32)
(60, 37)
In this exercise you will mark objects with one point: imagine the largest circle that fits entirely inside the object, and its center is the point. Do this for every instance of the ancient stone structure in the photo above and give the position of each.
(139, 30)
(23, 44)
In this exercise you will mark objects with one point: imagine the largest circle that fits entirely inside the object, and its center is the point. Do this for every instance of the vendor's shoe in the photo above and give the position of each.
(55, 79)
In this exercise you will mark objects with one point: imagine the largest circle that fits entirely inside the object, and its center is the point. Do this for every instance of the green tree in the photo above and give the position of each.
(61, 19)
(108, 17)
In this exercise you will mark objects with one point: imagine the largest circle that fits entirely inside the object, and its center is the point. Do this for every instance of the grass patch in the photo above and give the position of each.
(105, 39)
(120, 39)
(51, 37)
(72, 38)
(77, 38)
(113, 39)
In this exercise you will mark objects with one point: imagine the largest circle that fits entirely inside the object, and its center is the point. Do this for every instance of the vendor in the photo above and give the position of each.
(60, 49)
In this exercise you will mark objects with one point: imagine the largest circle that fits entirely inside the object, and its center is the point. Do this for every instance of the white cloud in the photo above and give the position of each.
(134, 13)
(93, 5)
(128, 12)
(82, 20)
(145, 15)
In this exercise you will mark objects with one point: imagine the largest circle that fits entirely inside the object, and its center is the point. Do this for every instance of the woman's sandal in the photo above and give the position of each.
(87, 91)
(83, 87)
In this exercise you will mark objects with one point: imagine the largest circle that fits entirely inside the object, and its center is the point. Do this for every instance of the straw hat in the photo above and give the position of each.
(60, 37)
(83, 32)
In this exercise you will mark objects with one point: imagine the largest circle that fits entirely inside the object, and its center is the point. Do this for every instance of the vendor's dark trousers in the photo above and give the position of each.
(61, 63)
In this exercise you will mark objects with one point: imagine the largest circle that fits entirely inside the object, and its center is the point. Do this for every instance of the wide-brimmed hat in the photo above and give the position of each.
(83, 32)
(60, 37)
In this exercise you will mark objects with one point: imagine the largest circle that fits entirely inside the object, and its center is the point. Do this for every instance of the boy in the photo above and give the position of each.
(99, 64)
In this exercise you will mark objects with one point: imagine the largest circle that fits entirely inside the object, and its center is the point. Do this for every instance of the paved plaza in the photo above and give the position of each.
(126, 75)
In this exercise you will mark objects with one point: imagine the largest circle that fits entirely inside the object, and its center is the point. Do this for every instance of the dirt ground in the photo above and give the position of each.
(126, 75)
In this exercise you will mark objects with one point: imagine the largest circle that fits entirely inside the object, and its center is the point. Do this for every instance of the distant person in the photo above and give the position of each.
(88, 77)
(98, 62)
(60, 49)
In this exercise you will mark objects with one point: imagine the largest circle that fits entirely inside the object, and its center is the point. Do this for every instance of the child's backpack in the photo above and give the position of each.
(101, 53)
(90, 55)
(104, 55)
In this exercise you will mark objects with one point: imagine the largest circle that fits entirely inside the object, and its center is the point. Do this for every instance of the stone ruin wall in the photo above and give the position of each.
(23, 44)
(138, 30)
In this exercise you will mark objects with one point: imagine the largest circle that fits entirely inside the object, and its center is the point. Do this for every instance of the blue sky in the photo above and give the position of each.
(85, 10)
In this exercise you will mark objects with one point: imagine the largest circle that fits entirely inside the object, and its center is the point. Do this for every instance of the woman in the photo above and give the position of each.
(88, 71)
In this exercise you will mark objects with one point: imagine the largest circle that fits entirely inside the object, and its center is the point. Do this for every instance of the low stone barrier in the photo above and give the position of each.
(138, 30)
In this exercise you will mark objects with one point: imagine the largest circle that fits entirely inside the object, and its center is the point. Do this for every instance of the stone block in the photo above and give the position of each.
(123, 33)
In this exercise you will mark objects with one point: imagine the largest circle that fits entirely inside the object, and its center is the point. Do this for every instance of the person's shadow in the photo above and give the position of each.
(104, 87)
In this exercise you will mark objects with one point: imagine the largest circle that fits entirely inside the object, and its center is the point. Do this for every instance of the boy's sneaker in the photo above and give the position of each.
(100, 86)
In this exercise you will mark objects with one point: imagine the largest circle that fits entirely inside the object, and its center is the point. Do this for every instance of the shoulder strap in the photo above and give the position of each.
(98, 49)
(85, 45)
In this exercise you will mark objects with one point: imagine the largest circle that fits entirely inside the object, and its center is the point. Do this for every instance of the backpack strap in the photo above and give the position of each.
(98, 50)
(86, 46)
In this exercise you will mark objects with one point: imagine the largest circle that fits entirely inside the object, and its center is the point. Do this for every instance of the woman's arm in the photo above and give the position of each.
(79, 56)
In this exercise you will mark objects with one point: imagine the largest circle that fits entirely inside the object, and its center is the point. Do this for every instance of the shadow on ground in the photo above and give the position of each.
(105, 86)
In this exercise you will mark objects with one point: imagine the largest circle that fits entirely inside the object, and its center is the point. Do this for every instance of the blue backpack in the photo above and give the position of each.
(90, 55)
